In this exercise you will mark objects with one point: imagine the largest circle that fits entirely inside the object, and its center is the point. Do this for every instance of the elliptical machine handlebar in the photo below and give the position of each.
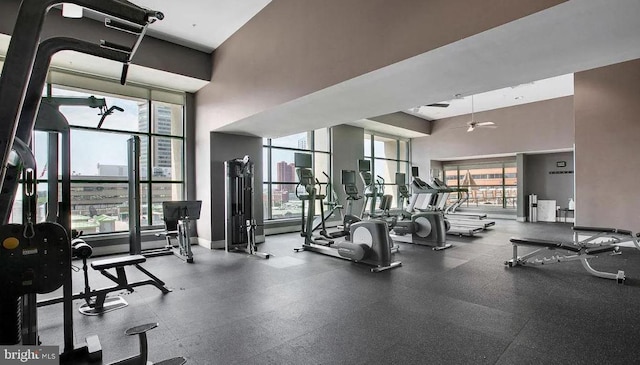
(380, 183)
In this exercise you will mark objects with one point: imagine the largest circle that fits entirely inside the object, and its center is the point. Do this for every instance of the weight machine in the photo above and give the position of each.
(37, 255)
(177, 217)
(240, 224)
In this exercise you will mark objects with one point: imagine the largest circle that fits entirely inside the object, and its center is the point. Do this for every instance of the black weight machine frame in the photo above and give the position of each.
(25, 68)
(240, 224)
(177, 217)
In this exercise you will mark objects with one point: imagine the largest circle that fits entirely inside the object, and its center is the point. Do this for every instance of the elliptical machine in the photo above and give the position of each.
(369, 244)
(426, 228)
(350, 188)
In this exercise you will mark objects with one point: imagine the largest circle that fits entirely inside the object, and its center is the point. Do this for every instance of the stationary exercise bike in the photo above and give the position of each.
(369, 244)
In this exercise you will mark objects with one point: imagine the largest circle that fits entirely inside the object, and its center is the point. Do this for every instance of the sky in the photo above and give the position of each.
(88, 148)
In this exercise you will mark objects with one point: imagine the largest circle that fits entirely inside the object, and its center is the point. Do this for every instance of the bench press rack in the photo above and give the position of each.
(598, 241)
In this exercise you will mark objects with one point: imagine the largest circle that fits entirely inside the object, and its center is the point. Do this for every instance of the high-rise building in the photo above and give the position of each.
(302, 143)
(286, 172)
(161, 123)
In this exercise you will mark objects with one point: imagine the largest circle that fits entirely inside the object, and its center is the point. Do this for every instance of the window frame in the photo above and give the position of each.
(147, 181)
(268, 148)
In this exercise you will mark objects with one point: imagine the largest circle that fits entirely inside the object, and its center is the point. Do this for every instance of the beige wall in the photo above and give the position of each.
(540, 126)
(607, 132)
(293, 48)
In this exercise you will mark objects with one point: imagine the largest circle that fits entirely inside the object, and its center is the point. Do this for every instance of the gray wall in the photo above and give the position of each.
(541, 126)
(226, 147)
(521, 210)
(347, 145)
(556, 186)
(153, 53)
(404, 121)
(607, 111)
(293, 48)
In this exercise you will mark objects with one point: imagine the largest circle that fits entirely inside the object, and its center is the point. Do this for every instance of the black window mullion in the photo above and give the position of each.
(269, 182)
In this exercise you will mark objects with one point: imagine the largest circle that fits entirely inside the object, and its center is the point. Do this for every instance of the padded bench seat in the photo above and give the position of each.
(601, 249)
(579, 251)
(117, 262)
(544, 243)
(603, 230)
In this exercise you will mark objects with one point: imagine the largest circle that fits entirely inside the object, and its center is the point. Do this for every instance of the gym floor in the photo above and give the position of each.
(457, 306)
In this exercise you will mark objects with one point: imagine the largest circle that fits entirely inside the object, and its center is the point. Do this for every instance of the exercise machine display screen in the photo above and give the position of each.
(302, 160)
(348, 177)
(364, 165)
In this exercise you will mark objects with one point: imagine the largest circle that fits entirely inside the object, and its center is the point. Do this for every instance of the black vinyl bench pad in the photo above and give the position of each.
(544, 243)
(118, 262)
(603, 230)
(562, 246)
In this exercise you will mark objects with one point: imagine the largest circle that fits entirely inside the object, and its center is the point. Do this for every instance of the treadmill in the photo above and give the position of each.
(427, 197)
(463, 219)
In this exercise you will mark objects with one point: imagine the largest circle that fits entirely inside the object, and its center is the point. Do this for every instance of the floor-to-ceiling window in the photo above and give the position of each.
(389, 155)
(279, 173)
(99, 153)
(491, 184)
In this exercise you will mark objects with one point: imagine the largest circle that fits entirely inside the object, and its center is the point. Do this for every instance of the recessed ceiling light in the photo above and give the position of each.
(71, 11)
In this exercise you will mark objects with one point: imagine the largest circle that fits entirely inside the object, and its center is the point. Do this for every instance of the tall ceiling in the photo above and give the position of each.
(529, 92)
(574, 36)
(201, 24)
(571, 37)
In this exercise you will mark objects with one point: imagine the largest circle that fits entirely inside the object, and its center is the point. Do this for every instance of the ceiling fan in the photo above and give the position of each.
(473, 124)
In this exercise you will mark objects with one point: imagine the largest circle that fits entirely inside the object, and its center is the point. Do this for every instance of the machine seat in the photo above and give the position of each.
(544, 243)
(118, 262)
(603, 230)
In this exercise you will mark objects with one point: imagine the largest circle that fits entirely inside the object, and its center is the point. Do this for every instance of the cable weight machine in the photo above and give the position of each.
(240, 224)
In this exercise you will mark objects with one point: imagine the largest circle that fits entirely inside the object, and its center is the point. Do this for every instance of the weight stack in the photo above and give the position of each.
(10, 325)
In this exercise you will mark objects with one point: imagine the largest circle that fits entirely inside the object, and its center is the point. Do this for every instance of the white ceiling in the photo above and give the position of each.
(574, 36)
(91, 65)
(551, 88)
(201, 24)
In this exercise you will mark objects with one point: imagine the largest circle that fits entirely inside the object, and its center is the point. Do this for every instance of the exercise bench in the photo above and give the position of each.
(101, 304)
(601, 234)
(582, 250)
(97, 301)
